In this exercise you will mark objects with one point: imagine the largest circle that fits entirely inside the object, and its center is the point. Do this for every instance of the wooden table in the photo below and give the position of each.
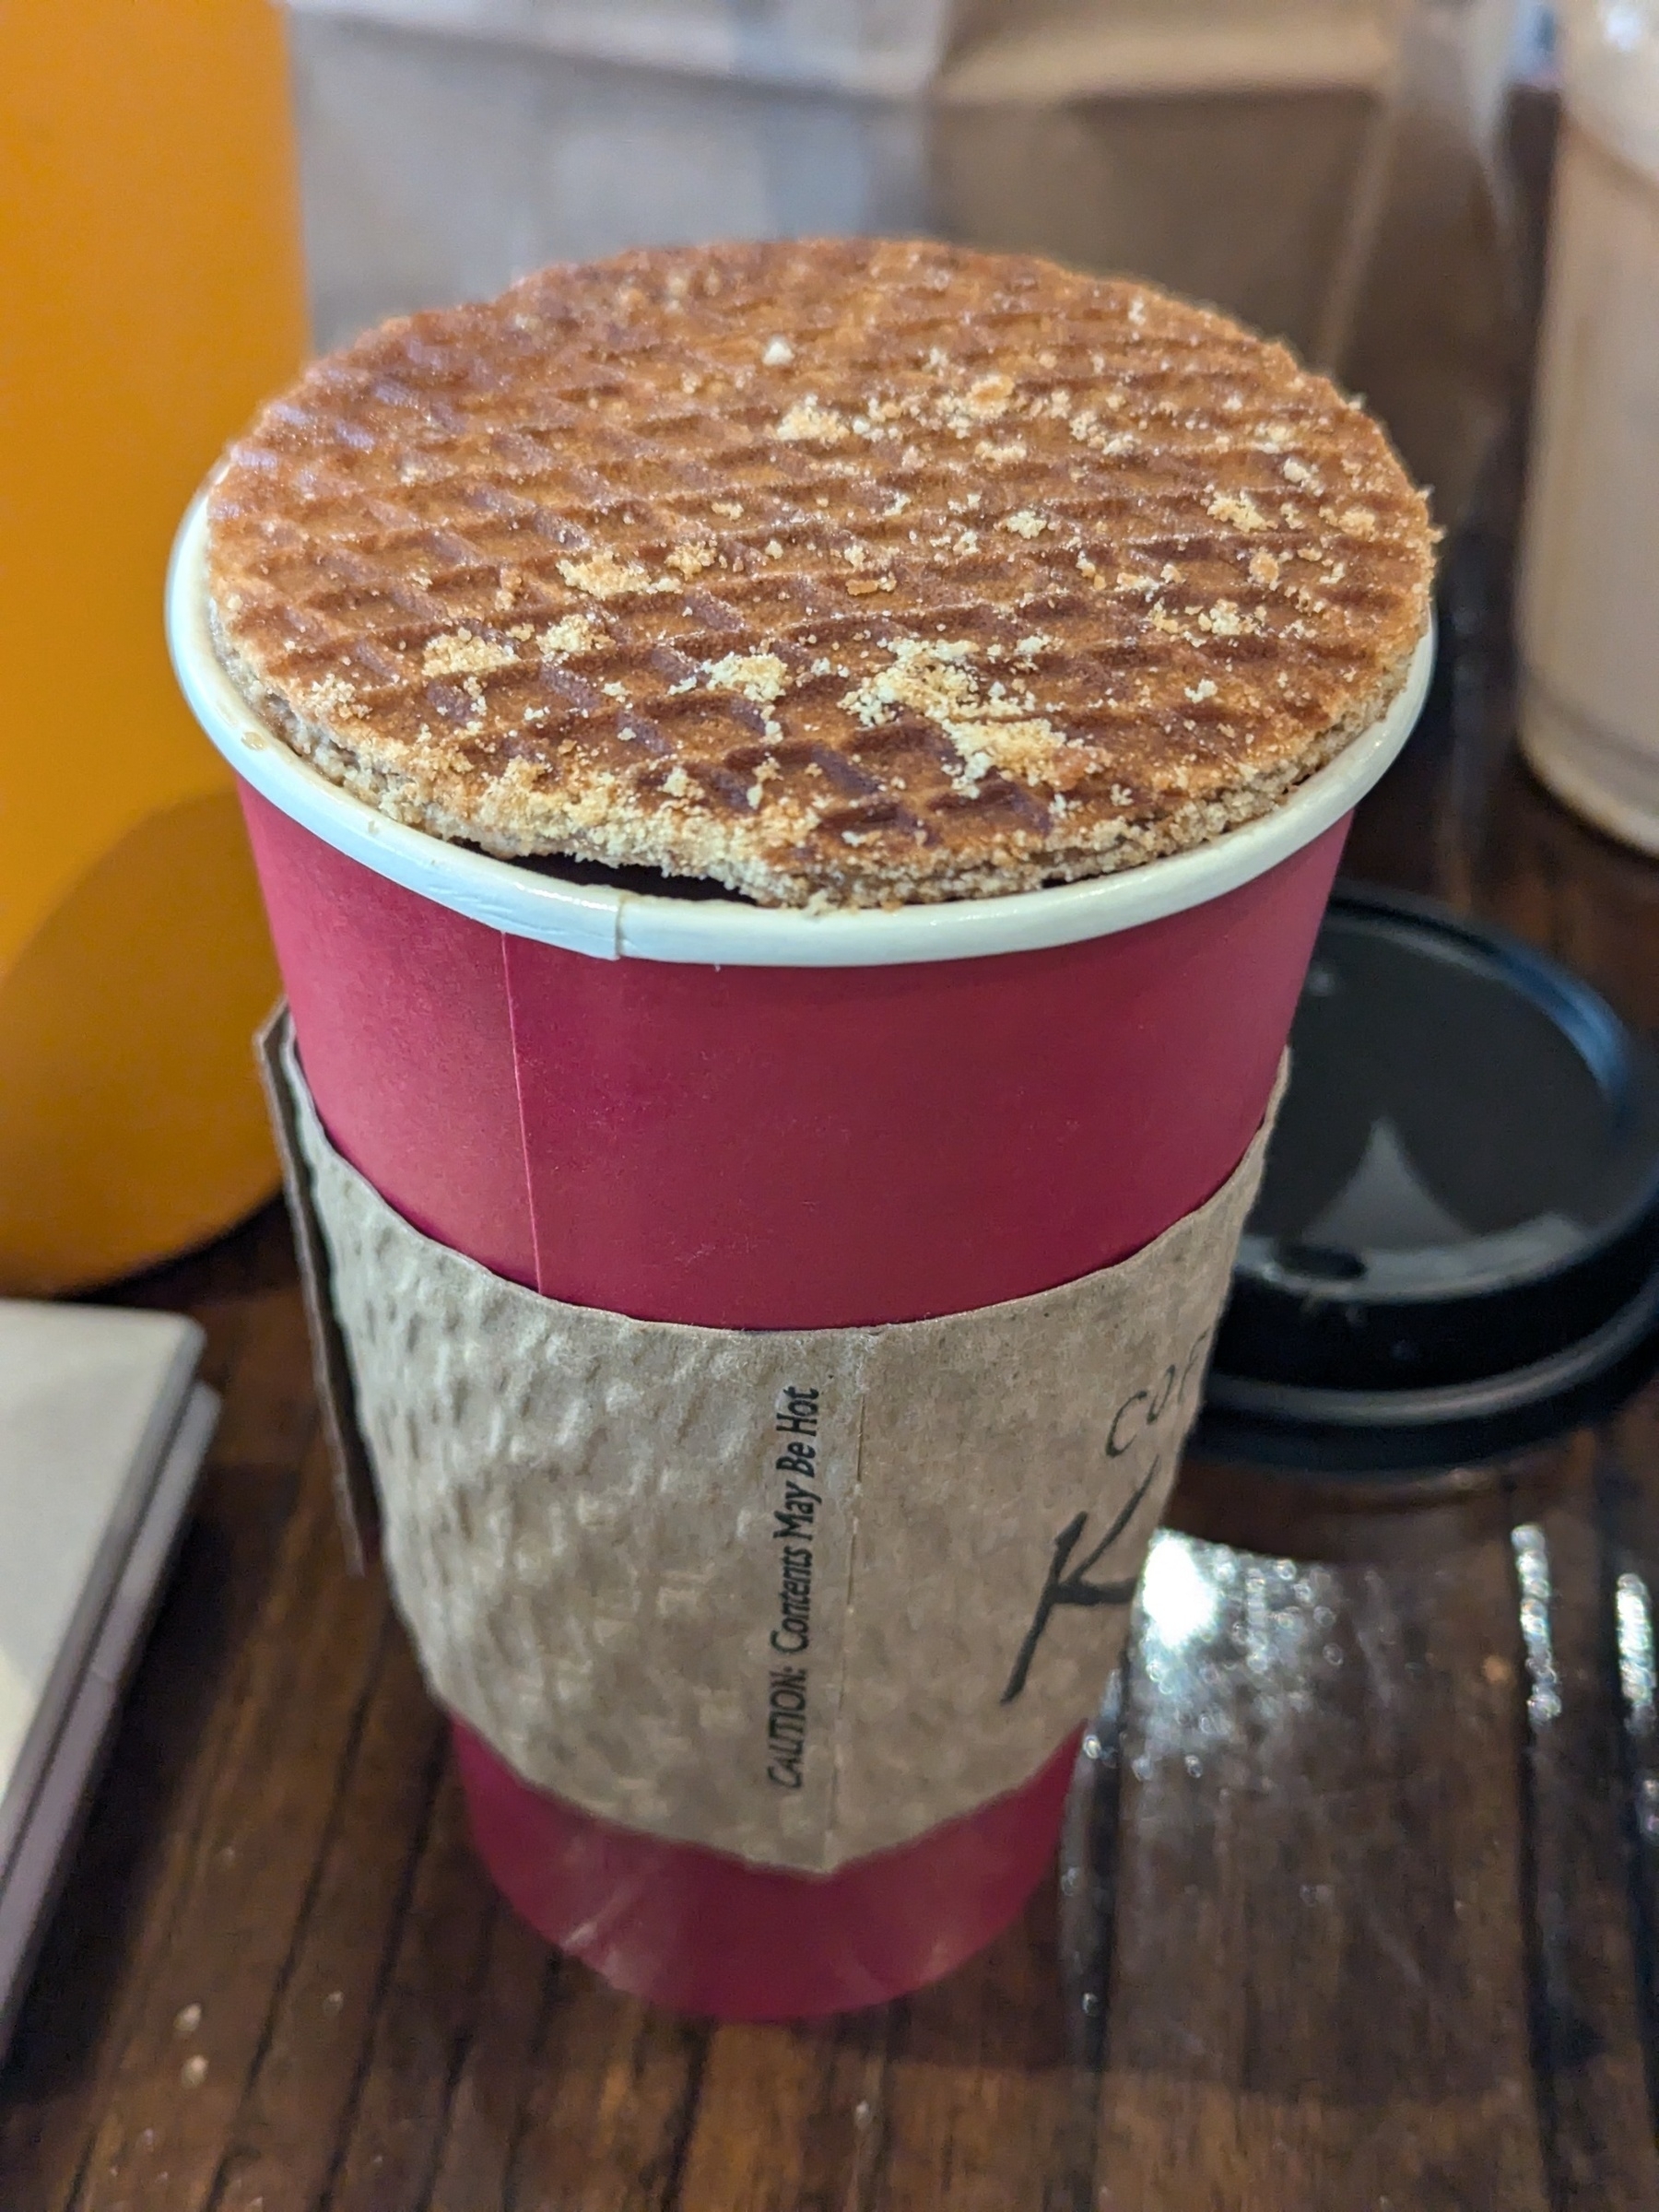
(1358, 1909)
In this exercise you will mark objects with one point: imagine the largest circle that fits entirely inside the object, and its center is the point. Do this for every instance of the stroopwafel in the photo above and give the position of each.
(836, 572)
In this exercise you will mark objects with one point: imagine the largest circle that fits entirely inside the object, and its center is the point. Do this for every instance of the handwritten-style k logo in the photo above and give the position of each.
(1075, 1588)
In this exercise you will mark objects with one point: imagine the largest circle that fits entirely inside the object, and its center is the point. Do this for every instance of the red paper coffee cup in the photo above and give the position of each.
(697, 1111)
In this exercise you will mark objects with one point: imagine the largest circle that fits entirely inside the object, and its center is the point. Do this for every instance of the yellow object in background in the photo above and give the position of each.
(149, 240)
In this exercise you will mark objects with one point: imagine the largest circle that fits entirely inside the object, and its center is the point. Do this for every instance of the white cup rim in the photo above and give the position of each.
(610, 923)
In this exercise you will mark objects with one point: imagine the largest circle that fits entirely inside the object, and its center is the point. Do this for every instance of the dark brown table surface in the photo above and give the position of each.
(1358, 1909)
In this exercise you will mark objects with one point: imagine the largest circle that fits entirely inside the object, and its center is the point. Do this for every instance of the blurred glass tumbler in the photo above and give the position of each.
(697, 1111)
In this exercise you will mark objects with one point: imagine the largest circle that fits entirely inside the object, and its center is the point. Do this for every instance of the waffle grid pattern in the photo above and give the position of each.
(837, 573)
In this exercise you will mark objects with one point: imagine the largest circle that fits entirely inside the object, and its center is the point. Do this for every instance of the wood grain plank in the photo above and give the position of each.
(1319, 1999)
(989, 2098)
(269, 1411)
(502, 2071)
(424, 2027)
(1597, 2128)
(239, 1878)
(1627, 1505)
(789, 2119)
(613, 2087)
(297, 2106)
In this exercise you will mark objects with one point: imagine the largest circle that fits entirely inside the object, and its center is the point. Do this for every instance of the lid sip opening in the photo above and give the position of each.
(1456, 1254)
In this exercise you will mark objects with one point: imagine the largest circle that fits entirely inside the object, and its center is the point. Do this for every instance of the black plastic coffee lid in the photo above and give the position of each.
(1455, 1252)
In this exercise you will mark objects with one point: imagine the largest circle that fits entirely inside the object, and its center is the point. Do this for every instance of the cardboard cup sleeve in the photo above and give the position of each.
(795, 1595)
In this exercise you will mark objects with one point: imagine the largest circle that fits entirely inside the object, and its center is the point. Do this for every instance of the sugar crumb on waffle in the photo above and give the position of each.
(843, 573)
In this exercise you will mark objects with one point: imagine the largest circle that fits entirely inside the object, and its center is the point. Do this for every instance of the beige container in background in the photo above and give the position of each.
(1589, 604)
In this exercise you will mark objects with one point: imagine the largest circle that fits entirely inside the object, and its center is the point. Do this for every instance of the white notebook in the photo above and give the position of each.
(103, 1431)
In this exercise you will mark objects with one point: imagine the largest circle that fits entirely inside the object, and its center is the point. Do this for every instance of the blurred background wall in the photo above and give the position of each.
(1323, 168)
